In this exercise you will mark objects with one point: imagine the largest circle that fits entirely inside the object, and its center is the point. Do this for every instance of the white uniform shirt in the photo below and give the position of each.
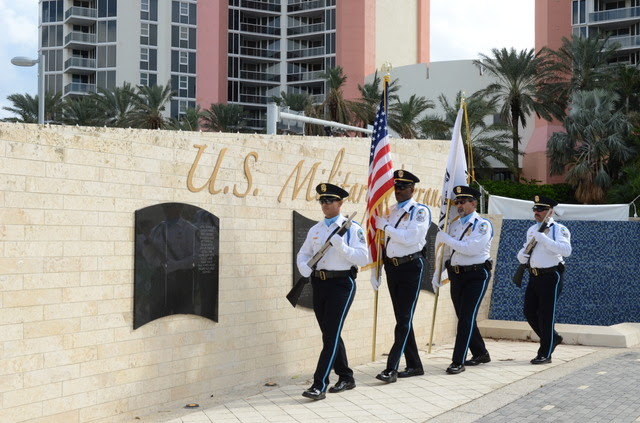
(474, 246)
(410, 235)
(555, 245)
(354, 253)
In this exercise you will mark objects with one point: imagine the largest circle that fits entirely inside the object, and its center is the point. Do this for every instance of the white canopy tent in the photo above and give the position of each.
(510, 208)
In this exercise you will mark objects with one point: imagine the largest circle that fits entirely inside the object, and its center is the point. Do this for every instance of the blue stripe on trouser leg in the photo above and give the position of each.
(335, 343)
(553, 317)
(475, 312)
(413, 309)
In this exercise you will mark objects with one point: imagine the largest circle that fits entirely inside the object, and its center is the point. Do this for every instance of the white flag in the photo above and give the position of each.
(454, 175)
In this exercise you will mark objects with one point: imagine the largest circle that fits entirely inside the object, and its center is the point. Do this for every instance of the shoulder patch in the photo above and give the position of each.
(361, 236)
(421, 215)
(564, 231)
(483, 228)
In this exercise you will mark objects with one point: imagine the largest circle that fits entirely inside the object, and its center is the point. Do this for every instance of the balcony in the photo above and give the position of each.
(305, 76)
(260, 29)
(305, 52)
(630, 14)
(304, 6)
(260, 76)
(80, 65)
(624, 43)
(255, 98)
(78, 88)
(258, 5)
(260, 52)
(80, 41)
(80, 15)
(305, 29)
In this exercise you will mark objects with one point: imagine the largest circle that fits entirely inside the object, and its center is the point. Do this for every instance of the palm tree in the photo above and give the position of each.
(83, 111)
(26, 108)
(593, 143)
(625, 80)
(521, 76)
(300, 102)
(117, 104)
(366, 107)
(149, 103)
(337, 108)
(224, 118)
(487, 140)
(189, 122)
(403, 116)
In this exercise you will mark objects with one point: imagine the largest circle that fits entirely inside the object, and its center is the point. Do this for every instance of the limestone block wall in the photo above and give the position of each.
(68, 351)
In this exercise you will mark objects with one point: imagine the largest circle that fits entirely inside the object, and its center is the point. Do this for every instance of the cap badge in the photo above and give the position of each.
(400, 173)
(458, 190)
(323, 188)
(537, 199)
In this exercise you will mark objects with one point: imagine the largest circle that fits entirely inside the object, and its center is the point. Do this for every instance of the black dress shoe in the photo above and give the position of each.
(541, 360)
(314, 393)
(481, 359)
(557, 341)
(454, 369)
(342, 385)
(388, 376)
(408, 372)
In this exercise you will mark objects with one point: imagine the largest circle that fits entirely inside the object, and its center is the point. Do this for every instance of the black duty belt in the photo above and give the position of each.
(463, 269)
(537, 271)
(332, 274)
(397, 261)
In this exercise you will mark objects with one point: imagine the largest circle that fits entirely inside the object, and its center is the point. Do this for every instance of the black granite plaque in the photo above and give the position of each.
(301, 226)
(176, 262)
(430, 262)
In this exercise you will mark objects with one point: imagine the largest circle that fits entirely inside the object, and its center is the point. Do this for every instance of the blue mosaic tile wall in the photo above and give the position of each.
(601, 283)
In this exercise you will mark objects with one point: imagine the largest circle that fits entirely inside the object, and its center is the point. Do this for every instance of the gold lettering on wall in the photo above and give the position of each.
(247, 174)
(212, 179)
(297, 186)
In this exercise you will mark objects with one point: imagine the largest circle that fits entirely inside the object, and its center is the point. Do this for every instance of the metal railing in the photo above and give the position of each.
(260, 52)
(79, 88)
(305, 29)
(616, 14)
(632, 41)
(82, 12)
(251, 4)
(260, 29)
(254, 98)
(305, 76)
(308, 5)
(80, 37)
(80, 62)
(260, 76)
(306, 52)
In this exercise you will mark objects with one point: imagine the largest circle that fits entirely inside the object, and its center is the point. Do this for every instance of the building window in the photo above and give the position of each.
(144, 78)
(183, 85)
(144, 54)
(144, 5)
(184, 33)
(182, 107)
(184, 58)
(184, 9)
(144, 29)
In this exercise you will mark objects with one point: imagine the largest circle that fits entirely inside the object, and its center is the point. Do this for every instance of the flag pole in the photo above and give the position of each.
(386, 67)
(439, 269)
(472, 172)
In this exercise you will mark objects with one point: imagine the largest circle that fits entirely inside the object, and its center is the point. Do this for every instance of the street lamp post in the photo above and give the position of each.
(25, 61)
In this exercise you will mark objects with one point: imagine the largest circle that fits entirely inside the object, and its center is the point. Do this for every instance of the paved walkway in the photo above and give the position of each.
(582, 384)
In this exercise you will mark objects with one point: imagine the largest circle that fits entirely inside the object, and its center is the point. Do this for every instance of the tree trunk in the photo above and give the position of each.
(516, 145)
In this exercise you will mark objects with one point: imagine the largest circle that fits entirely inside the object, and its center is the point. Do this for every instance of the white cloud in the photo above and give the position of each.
(460, 29)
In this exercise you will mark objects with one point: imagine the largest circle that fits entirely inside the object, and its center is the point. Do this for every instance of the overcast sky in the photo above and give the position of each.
(460, 29)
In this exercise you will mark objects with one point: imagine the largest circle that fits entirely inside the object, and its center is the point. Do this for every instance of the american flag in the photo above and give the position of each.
(380, 182)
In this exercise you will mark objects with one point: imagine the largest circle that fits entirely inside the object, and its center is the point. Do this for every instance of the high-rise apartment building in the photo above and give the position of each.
(227, 51)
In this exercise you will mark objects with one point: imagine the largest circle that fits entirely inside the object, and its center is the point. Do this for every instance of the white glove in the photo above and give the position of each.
(442, 237)
(522, 257)
(540, 237)
(337, 242)
(436, 282)
(375, 282)
(380, 222)
(305, 270)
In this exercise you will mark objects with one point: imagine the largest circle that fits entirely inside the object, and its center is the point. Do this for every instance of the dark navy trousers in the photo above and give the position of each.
(332, 299)
(540, 300)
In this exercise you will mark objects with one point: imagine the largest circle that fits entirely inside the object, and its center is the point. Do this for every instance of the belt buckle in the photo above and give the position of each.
(323, 276)
(534, 271)
(394, 260)
(456, 269)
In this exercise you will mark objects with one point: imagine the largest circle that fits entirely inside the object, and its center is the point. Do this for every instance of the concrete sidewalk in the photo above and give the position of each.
(482, 392)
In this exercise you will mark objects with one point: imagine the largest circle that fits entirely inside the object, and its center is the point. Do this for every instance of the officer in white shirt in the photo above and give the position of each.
(546, 270)
(334, 286)
(467, 247)
(405, 229)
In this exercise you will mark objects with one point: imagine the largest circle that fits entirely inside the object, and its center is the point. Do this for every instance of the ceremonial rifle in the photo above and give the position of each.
(517, 277)
(295, 292)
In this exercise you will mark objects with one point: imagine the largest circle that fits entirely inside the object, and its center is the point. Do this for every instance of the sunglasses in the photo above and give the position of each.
(540, 209)
(327, 200)
(462, 201)
(401, 187)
